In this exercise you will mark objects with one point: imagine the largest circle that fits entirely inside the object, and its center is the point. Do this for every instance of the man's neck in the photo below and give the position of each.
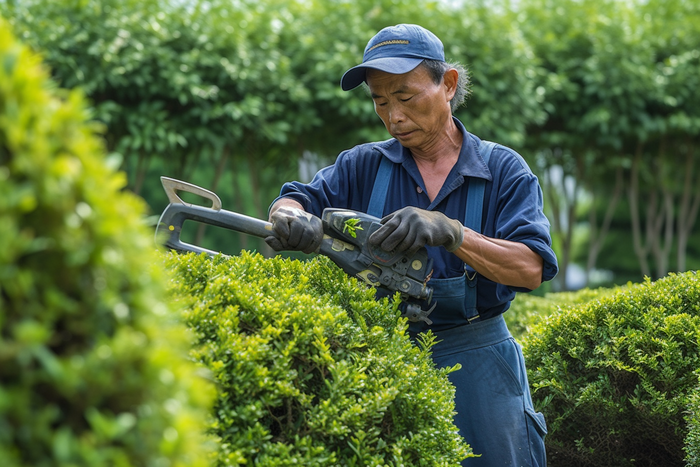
(442, 150)
(435, 165)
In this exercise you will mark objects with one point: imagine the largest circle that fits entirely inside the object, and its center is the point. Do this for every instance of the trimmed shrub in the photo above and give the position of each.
(311, 369)
(692, 441)
(94, 368)
(527, 310)
(615, 376)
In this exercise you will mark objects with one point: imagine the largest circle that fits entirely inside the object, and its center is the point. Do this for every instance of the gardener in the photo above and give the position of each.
(420, 181)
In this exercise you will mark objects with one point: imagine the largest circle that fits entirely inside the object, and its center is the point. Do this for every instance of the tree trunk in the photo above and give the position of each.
(661, 240)
(661, 246)
(555, 219)
(186, 164)
(641, 248)
(688, 210)
(563, 203)
(220, 167)
(597, 236)
(255, 195)
(238, 202)
(572, 203)
(141, 169)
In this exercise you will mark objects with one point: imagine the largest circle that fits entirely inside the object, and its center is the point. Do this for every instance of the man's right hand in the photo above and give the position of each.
(295, 229)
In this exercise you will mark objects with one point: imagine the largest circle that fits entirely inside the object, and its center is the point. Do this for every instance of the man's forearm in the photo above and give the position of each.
(503, 261)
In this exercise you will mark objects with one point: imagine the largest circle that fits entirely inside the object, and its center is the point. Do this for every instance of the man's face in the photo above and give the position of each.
(414, 109)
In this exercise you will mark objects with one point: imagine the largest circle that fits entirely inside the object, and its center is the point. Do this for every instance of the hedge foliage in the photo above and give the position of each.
(616, 377)
(527, 310)
(692, 441)
(93, 368)
(311, 369)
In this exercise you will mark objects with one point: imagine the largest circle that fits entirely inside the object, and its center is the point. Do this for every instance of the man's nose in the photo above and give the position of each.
(396, 114)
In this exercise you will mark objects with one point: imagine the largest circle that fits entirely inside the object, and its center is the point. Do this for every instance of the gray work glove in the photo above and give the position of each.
(410, 228)
(295, 229)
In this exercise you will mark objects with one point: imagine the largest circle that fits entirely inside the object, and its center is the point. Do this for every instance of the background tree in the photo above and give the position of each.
(607, 102)
(599, 97)
(672, 27)
(581, 137)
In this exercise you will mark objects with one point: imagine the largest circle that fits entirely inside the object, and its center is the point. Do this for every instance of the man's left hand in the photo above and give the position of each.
(410, 228)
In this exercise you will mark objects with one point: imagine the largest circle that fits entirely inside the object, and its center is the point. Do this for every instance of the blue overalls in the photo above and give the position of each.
(494, 408)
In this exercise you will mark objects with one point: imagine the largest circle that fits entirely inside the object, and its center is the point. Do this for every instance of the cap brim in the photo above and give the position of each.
(394, 65)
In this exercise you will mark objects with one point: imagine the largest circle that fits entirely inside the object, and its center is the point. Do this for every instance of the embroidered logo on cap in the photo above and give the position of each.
(395, 41)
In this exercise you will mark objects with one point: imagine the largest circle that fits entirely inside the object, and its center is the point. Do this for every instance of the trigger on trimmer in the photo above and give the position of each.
(415, 313)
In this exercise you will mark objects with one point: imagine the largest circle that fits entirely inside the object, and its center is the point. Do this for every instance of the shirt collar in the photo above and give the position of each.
(469, 164)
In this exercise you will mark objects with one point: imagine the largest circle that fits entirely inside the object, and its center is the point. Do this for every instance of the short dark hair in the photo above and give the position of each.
(437, 70)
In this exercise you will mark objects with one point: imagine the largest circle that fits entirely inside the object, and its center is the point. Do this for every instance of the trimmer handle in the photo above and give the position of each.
(178, 211)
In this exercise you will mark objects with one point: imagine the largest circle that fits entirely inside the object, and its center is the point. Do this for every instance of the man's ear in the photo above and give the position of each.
(449, 80)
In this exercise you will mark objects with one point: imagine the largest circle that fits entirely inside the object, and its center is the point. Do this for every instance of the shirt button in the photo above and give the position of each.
(419, 189)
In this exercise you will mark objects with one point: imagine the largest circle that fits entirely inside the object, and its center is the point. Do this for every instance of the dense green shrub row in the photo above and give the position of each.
(616, 377)
(311, 369)
(692, 441)
(93, 369)
(527, 310)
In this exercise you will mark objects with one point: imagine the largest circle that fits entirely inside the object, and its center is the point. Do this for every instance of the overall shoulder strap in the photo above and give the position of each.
(472, 220)
(380, 189)
(475, 192)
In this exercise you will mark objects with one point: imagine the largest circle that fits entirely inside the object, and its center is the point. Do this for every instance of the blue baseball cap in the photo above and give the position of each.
(397, 50)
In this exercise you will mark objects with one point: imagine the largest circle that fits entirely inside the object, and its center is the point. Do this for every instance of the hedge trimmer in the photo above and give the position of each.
(344, 242)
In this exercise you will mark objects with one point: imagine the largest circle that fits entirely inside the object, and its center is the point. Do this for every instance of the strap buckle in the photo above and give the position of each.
(474, 319)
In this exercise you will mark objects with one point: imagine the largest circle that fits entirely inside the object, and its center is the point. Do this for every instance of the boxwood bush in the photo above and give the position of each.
(527, 310)
(615, 377)
(311, 369)
(94, 369)
(692, 441)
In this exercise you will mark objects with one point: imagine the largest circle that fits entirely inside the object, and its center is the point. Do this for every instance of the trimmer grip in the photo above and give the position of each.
(175, 215)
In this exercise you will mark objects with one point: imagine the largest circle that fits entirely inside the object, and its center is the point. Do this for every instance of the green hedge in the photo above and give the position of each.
(527, 310)
(616, 377)
(311, 369)
(692, 441)
(93, 368)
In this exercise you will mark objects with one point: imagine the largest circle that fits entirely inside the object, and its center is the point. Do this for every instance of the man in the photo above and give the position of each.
(420, 182)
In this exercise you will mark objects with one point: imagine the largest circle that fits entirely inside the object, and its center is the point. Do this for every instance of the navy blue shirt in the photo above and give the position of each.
(512, 202)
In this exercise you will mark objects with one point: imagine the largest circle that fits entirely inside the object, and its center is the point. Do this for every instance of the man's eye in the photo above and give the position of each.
(407, 99)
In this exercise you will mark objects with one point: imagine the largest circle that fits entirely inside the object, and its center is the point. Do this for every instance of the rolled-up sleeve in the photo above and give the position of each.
(518, 210)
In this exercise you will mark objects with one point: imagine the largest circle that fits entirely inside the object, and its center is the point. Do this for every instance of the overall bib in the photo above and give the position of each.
(494, 408)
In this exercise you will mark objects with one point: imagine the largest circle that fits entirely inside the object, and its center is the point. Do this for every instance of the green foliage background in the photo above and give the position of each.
(600, 96)
(93, 363)
(234, 96)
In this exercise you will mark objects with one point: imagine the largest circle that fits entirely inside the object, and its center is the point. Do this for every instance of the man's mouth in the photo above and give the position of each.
(402, 134)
